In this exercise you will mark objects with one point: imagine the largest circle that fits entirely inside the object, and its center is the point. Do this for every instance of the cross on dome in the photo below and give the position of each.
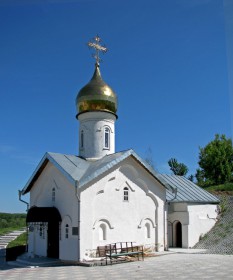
(95, 44)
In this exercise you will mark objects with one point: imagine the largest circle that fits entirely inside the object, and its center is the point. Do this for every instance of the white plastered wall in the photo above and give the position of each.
(67, 204)
(201, 219)
(102, 203)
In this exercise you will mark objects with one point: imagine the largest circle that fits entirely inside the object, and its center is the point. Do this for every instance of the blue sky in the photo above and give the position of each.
(169, 61)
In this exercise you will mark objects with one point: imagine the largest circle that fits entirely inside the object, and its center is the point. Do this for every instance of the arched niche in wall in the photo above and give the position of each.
(66, 227)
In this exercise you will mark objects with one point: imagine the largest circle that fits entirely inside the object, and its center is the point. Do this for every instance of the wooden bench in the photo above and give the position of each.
(120, 249)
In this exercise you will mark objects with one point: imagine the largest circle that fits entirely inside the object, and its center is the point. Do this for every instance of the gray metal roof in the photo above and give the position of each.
(187, 191)
(83, 171)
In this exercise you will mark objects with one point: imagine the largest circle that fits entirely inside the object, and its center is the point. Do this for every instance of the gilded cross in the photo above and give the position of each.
(95, 44)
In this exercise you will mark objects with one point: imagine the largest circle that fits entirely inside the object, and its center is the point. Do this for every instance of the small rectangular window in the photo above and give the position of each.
(42, 231)
(53, 194)
(82, 139)
(126, 194)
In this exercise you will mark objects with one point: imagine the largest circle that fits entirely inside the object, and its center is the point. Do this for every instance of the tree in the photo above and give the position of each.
(216, 161)
(177, 168)
(191, 178)
(201, 181)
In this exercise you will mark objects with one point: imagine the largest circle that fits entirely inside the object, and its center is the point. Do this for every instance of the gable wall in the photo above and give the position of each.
(66, 203)
(102, 204)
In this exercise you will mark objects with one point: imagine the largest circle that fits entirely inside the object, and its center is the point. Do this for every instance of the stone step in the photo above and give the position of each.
(16, 263)
(1, 239)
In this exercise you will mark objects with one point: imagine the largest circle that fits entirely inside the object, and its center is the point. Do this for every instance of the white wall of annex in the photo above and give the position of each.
(196, 220)
(202, 218)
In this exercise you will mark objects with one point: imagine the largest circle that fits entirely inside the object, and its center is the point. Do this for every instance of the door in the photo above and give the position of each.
(53, 240)
(179, 235)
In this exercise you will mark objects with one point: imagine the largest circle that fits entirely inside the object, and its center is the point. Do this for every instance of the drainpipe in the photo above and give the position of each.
(165, 227)
(20, 194)
(79, 201)
(175, 192)
(20, 199)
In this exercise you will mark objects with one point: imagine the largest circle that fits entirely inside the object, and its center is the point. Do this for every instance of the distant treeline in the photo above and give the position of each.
(12, 220)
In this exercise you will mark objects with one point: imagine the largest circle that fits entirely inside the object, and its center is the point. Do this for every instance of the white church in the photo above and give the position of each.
(78, 203)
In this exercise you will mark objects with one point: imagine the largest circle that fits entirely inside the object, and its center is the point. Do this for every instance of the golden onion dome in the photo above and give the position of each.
(96, 96)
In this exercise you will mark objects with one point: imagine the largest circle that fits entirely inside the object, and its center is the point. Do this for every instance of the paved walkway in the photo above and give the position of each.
(169, 266)
(5, 239)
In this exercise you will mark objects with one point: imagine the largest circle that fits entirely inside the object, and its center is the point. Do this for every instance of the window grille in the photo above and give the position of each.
(67, 231)
(126, 194)
(107, 138)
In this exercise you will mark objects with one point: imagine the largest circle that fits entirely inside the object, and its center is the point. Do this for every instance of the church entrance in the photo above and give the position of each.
(51, 217)
(175, 234)
(178, 235)
(53, 240)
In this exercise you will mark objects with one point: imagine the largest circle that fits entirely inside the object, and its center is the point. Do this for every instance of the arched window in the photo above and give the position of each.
(82, 139)
(102, 232)
(53, 194)
(107, 138)
(67, 231)
(126, 194)
(147, 230)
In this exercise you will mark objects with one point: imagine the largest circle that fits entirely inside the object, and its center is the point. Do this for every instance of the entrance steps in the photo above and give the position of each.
(26, 261)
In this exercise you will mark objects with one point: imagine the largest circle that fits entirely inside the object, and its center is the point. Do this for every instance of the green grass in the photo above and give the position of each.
(11, 222)
(20, 240)
(8, 220)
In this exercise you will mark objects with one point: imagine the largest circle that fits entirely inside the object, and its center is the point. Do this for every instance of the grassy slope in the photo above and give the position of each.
(228, 187)
(20, 240)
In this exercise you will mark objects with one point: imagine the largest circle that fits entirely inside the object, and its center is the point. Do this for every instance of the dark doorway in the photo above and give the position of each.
(53, 240)
(51, 216)
(178, 234)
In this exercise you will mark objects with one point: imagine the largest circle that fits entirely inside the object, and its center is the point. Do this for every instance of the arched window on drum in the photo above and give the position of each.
(106, 138)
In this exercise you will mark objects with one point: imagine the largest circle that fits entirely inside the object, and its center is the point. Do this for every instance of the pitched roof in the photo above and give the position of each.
(83, 171)
(187, 191)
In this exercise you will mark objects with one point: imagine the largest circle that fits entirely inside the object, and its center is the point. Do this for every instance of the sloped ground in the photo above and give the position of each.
(219, 240)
